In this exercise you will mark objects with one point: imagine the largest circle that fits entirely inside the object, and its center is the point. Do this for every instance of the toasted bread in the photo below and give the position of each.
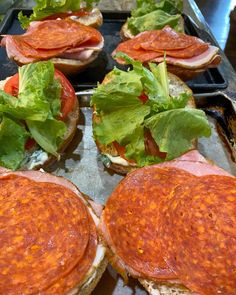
(93, 19)
(164, 288)
(120, 165)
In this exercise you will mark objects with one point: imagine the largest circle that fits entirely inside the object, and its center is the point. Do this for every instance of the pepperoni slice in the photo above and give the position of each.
(45, 232)
(51, 38)
(152, 44)
(198, 232)
(132, 217)
(67, 283)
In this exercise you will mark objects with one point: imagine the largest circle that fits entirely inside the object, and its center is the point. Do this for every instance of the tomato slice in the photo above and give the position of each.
(143, 97)
(68, 97)
(121, 151)
(12, 85)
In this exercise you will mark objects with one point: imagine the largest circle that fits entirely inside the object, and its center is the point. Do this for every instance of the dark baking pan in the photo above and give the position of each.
(211, 80)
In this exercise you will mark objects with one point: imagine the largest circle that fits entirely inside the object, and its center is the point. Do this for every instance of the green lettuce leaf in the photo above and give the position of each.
(13, 137)
(154, 20)
(39, 94)
(48, 134)
(38, 104)
(174, 130)
(45, 8)
(124, 117)
(146, 6)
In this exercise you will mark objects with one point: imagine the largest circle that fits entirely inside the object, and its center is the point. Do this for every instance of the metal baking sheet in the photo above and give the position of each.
(211, 80)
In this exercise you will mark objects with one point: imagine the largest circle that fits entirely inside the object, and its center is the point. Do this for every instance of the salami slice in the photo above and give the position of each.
(53, 34)
(198, 232)
(52, 38)
(150, 45)
(45, 232)
(67, 283)
(132, 217)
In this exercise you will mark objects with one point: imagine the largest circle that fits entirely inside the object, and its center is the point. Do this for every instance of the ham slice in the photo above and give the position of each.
(196, 164)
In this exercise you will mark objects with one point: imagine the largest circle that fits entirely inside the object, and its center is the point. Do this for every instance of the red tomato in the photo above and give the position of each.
(12, 85)
(121, 151)
(143, 97)
(68, 97)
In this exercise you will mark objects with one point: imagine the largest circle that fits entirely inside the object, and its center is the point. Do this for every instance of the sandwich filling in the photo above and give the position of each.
(166, 225)
(34, 106)
(176, 48)
(57, 256)
(53, 38)
(137, 116)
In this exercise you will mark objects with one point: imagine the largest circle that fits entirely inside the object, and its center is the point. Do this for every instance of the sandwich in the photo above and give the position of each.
(143, 116)
(82, 11)
(171, 227)
(49, 238)
(186, 56)
(39, 112)
(150, 15)
(70, 45)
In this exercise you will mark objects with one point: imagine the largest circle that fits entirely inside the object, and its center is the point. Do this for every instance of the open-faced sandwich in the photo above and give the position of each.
(38, 116)
(150, 15)
(142, 117)
(186, 56)
(49, 238)
(173, 228)
(70, 45)
(81, 11)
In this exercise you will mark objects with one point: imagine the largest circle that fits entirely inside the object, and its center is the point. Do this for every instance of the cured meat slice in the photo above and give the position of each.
(132, 217)
(193, 162)
(173, 43)
(39, 176)
(176, 48)
(65, 284)
(47, 39)
(132, 49)
(198, 232)
(45, 232)
(59, 34)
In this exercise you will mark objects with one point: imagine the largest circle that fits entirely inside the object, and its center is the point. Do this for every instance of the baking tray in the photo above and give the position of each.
(211, 80)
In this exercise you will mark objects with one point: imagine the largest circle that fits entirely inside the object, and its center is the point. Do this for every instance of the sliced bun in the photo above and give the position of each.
(71, 67)
(177, 86)
(87, 289)
(164, 288)
(94, 19)
(125, 32)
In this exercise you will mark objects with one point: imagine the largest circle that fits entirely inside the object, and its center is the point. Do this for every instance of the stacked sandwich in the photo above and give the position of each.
(171, 227)
(49, 241)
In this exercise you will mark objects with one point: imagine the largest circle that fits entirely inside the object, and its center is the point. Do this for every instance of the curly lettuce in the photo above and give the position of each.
(124, 117)
(45, 8)
(149, 15)
(38, 106)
